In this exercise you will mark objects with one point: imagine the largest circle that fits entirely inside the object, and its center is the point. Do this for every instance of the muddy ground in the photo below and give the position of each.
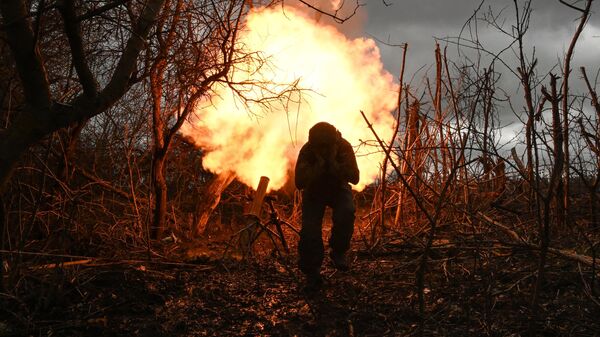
(477, 284)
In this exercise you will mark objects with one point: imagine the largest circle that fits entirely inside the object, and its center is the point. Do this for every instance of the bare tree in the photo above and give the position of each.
(180, 76)
(564, 190)
(44, 113)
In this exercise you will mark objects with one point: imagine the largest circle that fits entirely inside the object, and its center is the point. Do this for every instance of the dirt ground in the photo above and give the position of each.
(473, 287)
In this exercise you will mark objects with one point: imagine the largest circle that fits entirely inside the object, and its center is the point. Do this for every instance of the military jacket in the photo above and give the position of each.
(317, 175)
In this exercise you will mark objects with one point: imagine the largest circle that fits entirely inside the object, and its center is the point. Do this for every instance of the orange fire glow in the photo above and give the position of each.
(338, 77)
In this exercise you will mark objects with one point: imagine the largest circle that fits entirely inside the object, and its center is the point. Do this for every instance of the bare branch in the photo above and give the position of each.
(101, 10)
(334, 16)
(22, 43)
(119, 81)
(594, 96)
(73, 32)
(582, 10)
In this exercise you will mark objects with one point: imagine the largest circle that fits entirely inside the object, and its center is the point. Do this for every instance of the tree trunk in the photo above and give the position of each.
(411, 160)
(3, 223)
(159, 151)
(210, 200)
(160, 195)
(553, 188)
(564, 209)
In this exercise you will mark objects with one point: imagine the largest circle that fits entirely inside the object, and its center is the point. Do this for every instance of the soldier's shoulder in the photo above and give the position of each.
(344, 143)
(305, 149)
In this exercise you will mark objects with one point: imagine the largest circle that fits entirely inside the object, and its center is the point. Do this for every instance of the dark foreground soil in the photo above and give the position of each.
(473, 287)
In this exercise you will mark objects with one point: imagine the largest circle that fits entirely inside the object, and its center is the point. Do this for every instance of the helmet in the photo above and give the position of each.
(323, 133)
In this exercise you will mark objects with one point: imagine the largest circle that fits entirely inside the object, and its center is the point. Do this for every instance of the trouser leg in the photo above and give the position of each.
(343, 221)
(310, 246)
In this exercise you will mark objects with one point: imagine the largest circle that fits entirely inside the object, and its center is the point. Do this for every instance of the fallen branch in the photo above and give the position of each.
(567, 254)
(100, 261)
(61, 264)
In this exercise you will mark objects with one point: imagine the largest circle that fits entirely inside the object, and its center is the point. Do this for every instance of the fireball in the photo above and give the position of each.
(335, 78)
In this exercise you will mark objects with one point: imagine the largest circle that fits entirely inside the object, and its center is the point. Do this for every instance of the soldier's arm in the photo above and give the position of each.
(307, 168)
(347, 163)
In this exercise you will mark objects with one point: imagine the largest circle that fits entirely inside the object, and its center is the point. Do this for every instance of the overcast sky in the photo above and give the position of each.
(418, 22)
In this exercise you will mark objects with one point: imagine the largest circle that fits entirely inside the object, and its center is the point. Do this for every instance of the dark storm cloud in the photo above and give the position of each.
(415, 12)
(420, 22)
(432, 14)
(417, 22)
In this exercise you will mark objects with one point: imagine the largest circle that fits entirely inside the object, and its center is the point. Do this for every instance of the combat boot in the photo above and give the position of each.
(314, 282)
(340, 261)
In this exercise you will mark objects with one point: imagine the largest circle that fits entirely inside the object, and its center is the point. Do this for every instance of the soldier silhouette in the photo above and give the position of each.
(325, 166)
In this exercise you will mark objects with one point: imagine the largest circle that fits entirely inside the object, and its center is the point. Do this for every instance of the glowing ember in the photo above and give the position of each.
(339, 76)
